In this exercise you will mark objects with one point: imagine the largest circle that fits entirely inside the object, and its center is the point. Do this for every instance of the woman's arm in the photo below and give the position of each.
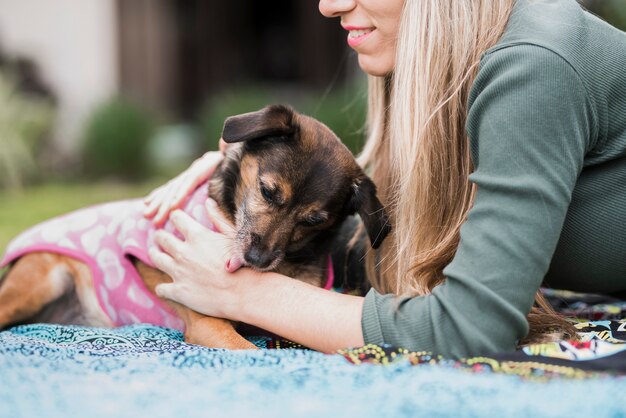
(314, 317)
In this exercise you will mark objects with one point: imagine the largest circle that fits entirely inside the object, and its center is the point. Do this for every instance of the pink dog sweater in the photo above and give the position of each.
(104, 237)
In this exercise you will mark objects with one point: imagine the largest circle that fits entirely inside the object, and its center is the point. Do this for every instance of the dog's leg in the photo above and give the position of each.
(199, 329)
(35, 281)
(213, 332)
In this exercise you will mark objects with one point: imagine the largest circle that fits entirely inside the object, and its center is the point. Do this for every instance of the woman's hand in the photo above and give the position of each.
(279, 304)
(163, 200)
(198, 264)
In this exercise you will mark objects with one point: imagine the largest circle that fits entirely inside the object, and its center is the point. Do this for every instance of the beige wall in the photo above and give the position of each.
(75, 46)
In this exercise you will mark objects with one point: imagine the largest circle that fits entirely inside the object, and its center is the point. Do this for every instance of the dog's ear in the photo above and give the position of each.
(371, 211)
(275, 120)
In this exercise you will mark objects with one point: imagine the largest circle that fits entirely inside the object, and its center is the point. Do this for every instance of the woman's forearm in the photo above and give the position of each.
(320, 319)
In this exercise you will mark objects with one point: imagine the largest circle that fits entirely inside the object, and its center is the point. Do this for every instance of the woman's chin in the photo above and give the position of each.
(376, 66)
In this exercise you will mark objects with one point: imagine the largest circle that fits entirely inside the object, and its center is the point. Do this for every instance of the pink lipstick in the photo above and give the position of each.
(358, 35)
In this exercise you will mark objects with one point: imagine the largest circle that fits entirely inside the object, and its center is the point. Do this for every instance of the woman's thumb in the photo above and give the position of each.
(165, 290)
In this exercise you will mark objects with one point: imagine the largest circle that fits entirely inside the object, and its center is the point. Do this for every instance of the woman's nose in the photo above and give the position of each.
(335, 8)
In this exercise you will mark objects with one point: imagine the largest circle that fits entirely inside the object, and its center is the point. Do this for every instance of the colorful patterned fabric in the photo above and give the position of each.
(598, 352)
(588, 306)
(66, 371)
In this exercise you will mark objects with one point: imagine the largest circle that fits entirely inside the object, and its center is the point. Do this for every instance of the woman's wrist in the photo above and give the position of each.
(247, 284)
(314, 317)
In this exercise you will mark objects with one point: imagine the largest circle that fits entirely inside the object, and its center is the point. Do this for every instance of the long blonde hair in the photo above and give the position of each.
(418, 150)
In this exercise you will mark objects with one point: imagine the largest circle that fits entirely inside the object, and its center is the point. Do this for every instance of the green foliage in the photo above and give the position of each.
(24, 121)
(116, 138)
(342, 109)
(613, 11)
(344, 112)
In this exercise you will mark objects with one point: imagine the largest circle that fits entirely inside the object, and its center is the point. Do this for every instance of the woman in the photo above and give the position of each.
(497, 136)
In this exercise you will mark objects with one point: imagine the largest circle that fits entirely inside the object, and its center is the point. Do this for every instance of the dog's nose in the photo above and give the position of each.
(259, 258)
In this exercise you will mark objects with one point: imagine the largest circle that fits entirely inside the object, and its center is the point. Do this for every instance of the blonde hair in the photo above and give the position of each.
(418, 151)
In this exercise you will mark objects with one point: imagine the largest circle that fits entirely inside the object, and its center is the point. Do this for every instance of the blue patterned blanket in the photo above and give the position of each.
(67, 371)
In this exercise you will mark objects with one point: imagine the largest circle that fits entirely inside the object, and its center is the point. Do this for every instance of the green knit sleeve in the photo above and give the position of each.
(530, 124)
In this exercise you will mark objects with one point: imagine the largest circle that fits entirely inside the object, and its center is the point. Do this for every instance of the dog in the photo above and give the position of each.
(286, 183)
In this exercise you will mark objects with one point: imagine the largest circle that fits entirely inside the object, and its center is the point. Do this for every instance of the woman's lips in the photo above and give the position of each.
(357, 36)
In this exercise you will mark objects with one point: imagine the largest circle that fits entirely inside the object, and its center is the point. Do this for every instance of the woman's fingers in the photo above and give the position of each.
(167, 204)
(220, 223)
(151, 209)
(188, 184)
(166, 291)
(162, 260)
(150, 197)
(186, 187)
(163, 200)
(185, 224)
(168, 242)
(152, 201)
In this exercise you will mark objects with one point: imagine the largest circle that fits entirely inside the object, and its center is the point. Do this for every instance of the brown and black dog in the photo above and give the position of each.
(286, 183)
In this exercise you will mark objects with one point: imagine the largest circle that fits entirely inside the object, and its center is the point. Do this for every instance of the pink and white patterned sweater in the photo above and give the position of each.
(105, 237)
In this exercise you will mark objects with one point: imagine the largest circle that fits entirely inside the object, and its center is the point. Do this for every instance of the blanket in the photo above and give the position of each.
(144, 370)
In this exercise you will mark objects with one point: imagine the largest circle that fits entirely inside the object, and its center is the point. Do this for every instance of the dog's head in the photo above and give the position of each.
(286, 182)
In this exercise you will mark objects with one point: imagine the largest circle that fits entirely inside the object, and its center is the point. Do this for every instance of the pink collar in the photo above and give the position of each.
(331, 275)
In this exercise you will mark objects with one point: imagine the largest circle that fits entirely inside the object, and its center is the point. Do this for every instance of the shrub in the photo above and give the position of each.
(344, 112)
(24, 121)
(115, 141)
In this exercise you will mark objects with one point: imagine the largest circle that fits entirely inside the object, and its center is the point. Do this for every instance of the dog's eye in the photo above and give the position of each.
(313, 220)
(267, 194)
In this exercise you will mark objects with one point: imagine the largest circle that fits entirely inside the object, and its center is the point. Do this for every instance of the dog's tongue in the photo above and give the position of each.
(233, 264)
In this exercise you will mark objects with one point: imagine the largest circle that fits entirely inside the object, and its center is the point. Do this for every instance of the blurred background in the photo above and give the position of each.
(106, 99)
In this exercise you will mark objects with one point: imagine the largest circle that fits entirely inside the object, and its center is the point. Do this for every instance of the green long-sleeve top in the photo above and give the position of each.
(547, 127)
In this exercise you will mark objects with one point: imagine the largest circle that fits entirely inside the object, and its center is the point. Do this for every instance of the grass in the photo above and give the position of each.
(20, 210)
